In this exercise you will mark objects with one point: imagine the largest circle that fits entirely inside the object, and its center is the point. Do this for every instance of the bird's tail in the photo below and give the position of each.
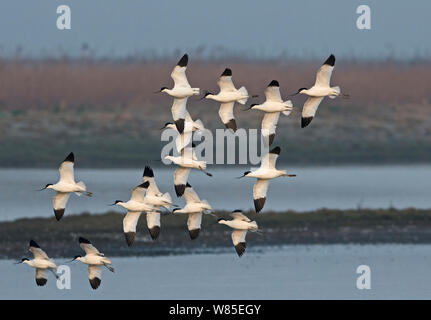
(244, 93)
(288, 104)
(337, 90)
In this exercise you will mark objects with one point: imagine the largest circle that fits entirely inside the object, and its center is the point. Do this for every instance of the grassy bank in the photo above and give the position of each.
(316, 227)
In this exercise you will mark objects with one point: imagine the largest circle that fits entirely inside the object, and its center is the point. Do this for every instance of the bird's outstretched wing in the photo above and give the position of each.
(272, 92)
(38, 253)
(130, 222)
(41, 277)
(324, 73)
(194, 221)
(94, 276)
(88, 247)
(190, 195)
(59, 202)
(238, 239)
(259, 193)
(309, 110)
(238, 215)
(179, 72)
(269, 160)
(269, 125)
(153, 224)
(226, 115)
(66, 169)
(225, 81)
(180, 180)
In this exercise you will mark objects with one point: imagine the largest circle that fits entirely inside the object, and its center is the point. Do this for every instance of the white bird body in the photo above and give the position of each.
(65, 186)
(187, 162)
(136, 206)
(264, 174)
(194, 207)
(182, 88)
(241, 224)
(272, 107)
(41, 263)
(94, 259)
(227, 96)
(317, 92)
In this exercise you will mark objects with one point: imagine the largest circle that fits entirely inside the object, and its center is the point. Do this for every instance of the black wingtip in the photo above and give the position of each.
(240, 248)
(330, 61)
(95, 283)
(276, 150)
(148, 172)
(188, 185)
(231, 125)
(130, 238)
(59, 213)
(154, 232)
(183, 61)
(306, 121)
(194, 233)
(144, 185)
(274, 83)
(41, 281)
(180, 125)
(179, 189)
(83, 240)
(258, 204)
(226, 73)
(70, 158)
(34, 244)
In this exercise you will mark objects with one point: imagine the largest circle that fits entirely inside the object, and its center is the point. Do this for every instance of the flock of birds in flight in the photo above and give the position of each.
(147, 197)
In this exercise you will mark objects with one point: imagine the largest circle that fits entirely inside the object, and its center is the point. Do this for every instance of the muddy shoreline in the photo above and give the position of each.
(324, 226)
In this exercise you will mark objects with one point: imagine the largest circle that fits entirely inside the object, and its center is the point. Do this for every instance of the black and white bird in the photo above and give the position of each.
(227, 96)
(321, 89)
(186, 161)
(264, 174)
(135, 206)
(185, 138)
(272, 107)
(241, 224)
(181, 91)
(195, 207)
(95, 260)
(157, 199)
(41, 262)
(65, 186)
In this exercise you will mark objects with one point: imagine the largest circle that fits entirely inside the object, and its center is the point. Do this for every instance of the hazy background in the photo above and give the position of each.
(297, 28)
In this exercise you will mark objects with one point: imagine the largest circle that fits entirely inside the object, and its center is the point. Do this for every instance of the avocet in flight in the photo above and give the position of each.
(181, 91)
(241, 224)
(95, 260)
(185, 162)
(194, 208)
(156, 198)
(41, 262)
(272, 107)
(183, 139)
(135, 206)
(321, 89)
(264, 174)
(227, 96)
(65, 186)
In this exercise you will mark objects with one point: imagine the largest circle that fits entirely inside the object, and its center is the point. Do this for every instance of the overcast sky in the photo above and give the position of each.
(300, 28)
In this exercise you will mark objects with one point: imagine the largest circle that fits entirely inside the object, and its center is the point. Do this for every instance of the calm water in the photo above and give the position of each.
(289, 272)
(313, 188)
